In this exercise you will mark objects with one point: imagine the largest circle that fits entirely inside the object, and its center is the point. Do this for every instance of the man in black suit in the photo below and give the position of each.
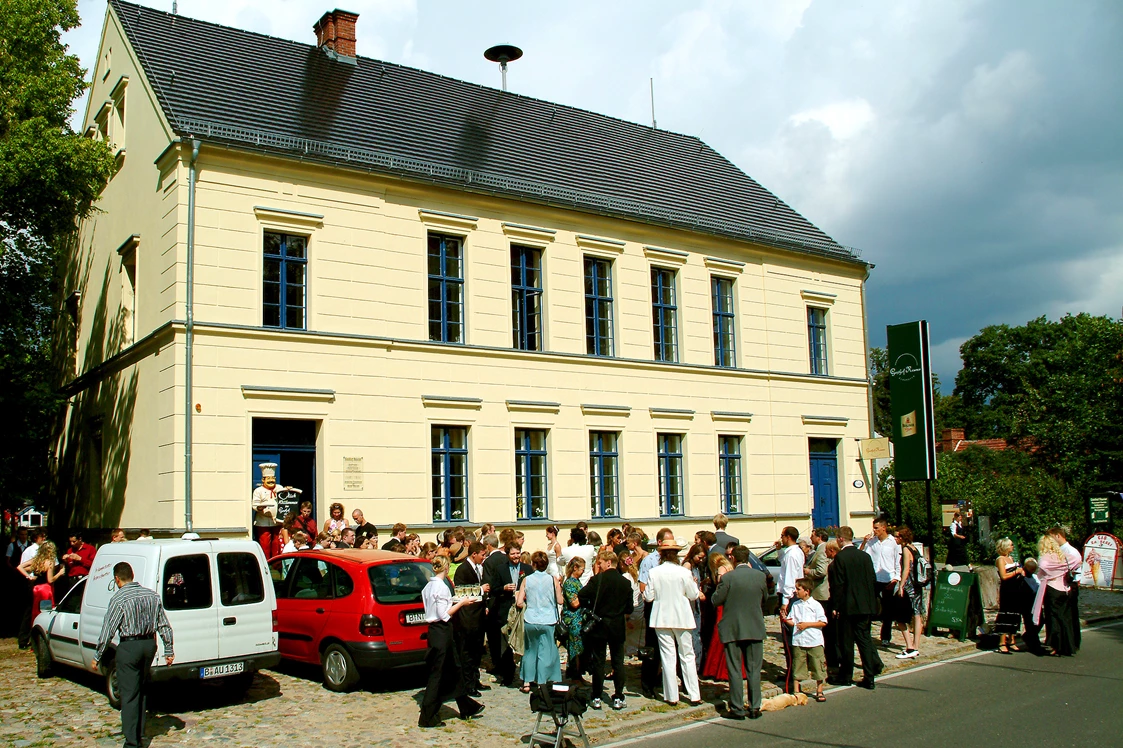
(854, 595)
(740, 594)
(609, 596)
(502, 574)
(468, 623)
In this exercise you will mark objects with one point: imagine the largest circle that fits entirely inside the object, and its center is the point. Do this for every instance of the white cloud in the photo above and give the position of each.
(844, 119)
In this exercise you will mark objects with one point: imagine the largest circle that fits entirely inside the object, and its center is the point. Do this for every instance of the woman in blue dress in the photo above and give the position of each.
(540, 595)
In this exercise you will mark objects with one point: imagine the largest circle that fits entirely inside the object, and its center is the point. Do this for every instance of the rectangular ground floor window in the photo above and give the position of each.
(450, 473)
(729, 474)
(604, 474)
(670, 475)
(530, 473)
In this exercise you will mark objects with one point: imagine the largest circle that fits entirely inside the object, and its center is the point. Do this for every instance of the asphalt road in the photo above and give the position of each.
(988, 700)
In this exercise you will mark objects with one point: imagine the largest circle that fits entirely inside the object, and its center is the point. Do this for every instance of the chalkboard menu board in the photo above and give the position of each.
(957, 604)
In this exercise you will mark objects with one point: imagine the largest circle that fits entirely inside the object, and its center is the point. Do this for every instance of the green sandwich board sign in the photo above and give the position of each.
(910, 390)
(957, 604)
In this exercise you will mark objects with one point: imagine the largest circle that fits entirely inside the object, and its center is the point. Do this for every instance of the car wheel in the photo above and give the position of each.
(340, 673)
(42, 657)
(112, 690)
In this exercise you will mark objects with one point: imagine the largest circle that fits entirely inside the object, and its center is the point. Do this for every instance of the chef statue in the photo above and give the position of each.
(264, 503)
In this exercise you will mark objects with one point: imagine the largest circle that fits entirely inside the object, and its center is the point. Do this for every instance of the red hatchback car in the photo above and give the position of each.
(350, 610)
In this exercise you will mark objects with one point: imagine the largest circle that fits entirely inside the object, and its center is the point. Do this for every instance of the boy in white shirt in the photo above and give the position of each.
(807, 619)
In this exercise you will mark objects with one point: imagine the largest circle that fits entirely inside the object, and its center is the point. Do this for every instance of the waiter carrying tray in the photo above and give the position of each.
(136, 613)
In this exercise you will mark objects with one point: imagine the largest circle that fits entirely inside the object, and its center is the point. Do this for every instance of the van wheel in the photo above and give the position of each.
(112, 690)
(340, 673)
(42, 657)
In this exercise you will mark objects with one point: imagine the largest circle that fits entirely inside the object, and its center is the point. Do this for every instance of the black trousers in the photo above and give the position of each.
(1074, 613)
(651, 671)
(133, 661)
(502, 658)
(1058, 622)
(885, 592)
(786, 632)
(445, 680)
(470, 646)
(594, 652)
(856, 630)
(830, 635)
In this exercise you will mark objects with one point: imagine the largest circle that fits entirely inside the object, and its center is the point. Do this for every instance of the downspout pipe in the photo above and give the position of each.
(189, 337)
(869, 388)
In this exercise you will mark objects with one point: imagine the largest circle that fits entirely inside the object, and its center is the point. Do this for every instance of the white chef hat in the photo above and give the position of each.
(268, 469)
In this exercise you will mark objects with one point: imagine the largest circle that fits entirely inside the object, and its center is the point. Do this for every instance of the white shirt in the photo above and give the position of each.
(886, 556)
(791, 569)
(437, 600)
(670, 588)
(1075, 560)
(587, 552)
(29, 553)
(806, 610)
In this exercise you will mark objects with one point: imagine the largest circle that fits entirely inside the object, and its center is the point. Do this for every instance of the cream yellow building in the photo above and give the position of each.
(440, 303)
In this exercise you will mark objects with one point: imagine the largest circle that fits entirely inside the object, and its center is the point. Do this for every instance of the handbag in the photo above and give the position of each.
(1007, 623)
(592, 620)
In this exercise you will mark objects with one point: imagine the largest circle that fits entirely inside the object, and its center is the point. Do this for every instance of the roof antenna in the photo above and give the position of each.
(654, 126)
(175, 8)
(503, 53)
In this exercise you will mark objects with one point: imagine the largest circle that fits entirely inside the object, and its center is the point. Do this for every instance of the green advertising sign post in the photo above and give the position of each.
(912, 409)
(1099, 510)
(910, 388)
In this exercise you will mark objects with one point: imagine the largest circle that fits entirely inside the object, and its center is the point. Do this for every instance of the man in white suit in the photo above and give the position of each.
(670, 589)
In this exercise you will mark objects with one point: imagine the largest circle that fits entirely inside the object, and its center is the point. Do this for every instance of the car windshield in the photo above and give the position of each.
(399, 583)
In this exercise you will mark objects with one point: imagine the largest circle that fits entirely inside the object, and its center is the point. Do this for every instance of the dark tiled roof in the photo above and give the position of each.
(222, 84)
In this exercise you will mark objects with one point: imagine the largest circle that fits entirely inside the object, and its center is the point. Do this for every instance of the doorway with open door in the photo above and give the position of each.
(290, 444)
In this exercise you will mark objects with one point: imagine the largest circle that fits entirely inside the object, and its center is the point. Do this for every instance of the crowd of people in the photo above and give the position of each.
(685, 613)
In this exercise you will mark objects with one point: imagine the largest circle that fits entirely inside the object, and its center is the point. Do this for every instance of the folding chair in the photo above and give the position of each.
(553, 701)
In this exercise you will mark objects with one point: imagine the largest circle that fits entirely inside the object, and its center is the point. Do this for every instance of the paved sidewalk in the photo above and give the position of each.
(289, 706)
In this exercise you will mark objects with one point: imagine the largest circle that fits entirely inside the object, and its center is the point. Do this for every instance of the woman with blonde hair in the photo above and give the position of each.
(336, 523)
(1010, 587)
(1052, 597)
(43, 569)
(440, 657)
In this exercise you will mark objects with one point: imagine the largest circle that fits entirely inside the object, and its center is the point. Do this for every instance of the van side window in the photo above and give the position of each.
(72, 603)
(187, 583)
(311, 580)
(239, 579)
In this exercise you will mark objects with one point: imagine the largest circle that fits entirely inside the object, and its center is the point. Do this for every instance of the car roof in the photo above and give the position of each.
(352, 555)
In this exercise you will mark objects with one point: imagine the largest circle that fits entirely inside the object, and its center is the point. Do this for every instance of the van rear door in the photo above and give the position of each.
(188, 592)
(245, 607)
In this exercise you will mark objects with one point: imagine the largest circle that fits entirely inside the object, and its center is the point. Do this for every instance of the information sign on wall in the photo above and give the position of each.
(352, 473)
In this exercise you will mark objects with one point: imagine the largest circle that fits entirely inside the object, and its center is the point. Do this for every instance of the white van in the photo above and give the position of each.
(217, 596)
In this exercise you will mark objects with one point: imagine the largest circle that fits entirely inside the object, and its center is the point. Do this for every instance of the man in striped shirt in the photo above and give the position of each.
(136, 613)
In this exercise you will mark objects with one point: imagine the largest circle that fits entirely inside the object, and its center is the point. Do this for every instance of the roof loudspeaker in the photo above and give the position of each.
(503, 53)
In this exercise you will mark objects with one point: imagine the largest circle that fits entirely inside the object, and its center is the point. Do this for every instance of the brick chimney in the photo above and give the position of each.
(950, 439)
(336, 31)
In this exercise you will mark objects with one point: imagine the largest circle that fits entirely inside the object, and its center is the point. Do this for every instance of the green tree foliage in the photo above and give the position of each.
(1058, 385)
(50, 177)
(1019, 495)
(1054, 392)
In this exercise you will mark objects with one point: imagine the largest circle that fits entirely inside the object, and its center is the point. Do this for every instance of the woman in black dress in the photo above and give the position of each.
(1011, 589)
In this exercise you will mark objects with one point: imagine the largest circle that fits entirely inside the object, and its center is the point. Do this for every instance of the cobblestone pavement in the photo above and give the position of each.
(289, 707)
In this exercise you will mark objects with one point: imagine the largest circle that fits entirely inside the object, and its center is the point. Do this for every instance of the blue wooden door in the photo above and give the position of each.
(824, 482)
